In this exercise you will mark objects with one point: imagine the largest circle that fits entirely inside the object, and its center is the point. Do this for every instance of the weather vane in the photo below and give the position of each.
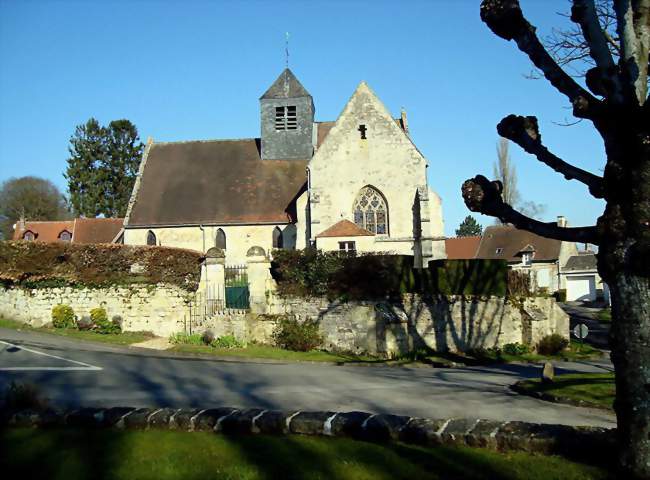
(286, 49)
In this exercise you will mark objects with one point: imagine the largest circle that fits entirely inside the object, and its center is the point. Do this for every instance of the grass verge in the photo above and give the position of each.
(103, 454)
(125, 338)
(604, 316)
(583, 389)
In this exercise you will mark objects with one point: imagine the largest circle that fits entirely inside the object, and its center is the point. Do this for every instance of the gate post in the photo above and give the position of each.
(259, 272)
(215, 260)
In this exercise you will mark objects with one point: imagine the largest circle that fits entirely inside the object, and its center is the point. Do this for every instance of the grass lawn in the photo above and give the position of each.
(605, 315)
(161, 455)
(126, 338)
(595, 389)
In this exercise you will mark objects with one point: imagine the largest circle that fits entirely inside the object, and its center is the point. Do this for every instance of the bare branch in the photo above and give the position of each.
(483, 196)
(524, 131)
(583, 12)
(505, 19)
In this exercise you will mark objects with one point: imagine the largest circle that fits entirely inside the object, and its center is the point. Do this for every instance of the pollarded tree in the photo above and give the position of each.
(615, 101)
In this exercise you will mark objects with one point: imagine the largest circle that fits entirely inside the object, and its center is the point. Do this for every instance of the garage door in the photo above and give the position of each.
(581, 288)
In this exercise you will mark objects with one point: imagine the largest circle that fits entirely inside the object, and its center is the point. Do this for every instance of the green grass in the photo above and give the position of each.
(605, 315)
(594, 389)
(275, 353)
(125, 338)
(103, 454)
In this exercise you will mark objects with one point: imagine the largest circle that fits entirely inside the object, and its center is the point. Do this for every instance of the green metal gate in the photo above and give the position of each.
(237, 292)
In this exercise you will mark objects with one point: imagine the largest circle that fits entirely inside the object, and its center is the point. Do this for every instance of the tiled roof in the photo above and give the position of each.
(462, 248)
(215, 182)
(345, 228)
(45, 231)
(506, 242)
(583, 261)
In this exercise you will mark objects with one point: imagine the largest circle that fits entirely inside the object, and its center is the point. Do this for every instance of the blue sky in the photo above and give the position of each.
(183, 70)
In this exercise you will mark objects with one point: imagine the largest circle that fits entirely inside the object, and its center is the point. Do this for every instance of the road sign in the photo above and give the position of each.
(581, 331)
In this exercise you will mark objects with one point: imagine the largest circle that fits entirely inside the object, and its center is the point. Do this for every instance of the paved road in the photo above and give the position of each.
(580, 312)
(89, 374)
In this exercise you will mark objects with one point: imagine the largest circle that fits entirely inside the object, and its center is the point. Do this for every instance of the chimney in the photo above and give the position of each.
(561, 221)
(404, 121)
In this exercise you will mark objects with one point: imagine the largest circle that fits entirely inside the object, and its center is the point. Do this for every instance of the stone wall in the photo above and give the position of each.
(161, 309)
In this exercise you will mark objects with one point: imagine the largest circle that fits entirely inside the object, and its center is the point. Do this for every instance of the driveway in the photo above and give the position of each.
(581, 312)
(74, 373)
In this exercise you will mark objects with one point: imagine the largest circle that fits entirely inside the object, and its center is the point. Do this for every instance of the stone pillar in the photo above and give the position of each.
(213, 275)
(259, 273)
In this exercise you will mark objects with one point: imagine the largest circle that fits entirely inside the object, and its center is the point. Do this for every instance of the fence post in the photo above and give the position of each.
(259, 271)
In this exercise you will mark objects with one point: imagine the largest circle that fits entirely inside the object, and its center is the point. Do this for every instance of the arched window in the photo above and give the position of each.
(65, 236)
(151, 238)
(277, 238)
(29, 236)
(371, 211)
(220, 239)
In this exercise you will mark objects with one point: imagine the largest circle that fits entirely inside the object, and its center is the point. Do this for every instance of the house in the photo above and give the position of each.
(355, 184)
(581, 279)
(78, 230)
(543, 258)
(462, 248)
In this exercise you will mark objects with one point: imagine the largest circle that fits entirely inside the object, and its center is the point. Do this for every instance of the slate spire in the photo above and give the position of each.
(286, 86)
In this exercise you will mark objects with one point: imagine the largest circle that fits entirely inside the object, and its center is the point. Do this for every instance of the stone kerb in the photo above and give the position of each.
(504, 436)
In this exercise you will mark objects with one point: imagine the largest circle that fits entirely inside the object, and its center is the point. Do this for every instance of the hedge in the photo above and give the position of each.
(40, 264)
(313, 273)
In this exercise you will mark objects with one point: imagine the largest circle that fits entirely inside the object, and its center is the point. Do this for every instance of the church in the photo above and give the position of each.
(357, 184)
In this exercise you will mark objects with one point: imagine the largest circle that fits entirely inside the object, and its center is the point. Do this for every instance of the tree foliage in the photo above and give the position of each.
(469, 227)
(31, 198)
(614, 98)
(102, 167)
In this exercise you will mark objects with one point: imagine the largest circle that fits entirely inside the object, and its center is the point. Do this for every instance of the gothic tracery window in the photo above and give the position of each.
(371, 211)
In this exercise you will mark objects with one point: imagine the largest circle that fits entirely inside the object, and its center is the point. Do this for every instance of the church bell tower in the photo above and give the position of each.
(287, 117)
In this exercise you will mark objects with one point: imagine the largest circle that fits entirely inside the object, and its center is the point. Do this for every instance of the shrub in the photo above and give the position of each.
(63, 316)
(186, 339)
(208, 337)
(293, 335)
(21, 396)
(552, 344)
(101, 322)
(560, 295)
(515, 349)
(518, 284)
(227, 341)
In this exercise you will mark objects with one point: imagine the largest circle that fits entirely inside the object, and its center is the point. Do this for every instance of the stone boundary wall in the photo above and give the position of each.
(161, 309)
(504, 436)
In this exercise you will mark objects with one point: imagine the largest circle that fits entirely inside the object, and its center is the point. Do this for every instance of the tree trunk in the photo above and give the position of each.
(630, 342)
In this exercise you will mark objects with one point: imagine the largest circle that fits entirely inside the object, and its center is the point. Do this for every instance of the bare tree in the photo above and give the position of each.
(622, 233)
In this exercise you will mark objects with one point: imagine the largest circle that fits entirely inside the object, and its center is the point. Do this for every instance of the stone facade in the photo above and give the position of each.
(387, 160)
(161, 309)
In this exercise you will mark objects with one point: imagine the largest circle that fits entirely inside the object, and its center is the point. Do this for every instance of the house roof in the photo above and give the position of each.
(83, 230)
(513, 241)
(96, 230)
(345, 228)
(462, 248)
(286, 86)
(581, 262)
(44, 231)
(215, 182)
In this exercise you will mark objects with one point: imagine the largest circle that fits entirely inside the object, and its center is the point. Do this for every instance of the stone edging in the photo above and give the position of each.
(548, 397)
(513, 435)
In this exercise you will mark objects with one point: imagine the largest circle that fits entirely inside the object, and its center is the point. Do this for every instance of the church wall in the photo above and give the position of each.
(386, 159)
(239, 238)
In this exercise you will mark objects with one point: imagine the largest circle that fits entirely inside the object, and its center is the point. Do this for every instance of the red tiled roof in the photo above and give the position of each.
(462, 248)
(96, 230)
(83, 230)
(345, 228)
(45, 231)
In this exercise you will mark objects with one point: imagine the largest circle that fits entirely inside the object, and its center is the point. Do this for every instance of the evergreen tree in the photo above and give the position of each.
(102, 167)
(469, 227)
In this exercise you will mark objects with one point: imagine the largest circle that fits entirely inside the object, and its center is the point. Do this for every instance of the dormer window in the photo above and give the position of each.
(286, 118)
(29, 236)
(499, 251)
(527, 259)
(65, 236)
